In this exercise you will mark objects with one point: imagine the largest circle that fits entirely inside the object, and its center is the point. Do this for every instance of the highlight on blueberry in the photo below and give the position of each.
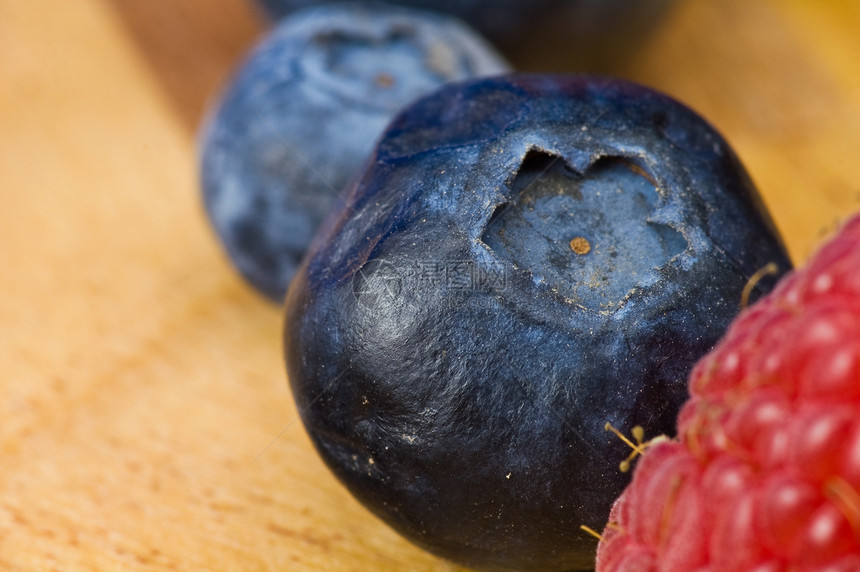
(525, 259)
(302, 114)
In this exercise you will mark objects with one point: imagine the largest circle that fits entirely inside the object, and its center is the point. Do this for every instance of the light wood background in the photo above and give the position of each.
(145, 419)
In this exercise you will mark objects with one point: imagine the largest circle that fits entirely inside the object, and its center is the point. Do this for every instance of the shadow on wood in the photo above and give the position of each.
(192, 45)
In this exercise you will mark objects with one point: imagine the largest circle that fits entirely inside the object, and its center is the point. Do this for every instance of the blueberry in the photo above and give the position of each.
(526, 259)
(302, 115)
(585, 34)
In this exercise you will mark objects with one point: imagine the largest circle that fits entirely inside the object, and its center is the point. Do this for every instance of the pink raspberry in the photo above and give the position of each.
(765, 474)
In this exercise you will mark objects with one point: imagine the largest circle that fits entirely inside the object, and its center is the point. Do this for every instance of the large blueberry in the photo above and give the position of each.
(526, 259)
(303, 114)
(587, 34)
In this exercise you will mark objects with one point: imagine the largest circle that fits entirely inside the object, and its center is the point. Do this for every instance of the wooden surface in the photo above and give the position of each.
(145, 419)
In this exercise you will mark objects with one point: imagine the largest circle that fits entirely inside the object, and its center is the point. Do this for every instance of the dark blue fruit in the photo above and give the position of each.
(526, 259)
(303, 114)
(585, 34)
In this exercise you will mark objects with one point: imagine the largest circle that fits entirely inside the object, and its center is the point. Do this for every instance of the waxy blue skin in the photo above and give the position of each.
(455, 360)
(303, 114)
(577, 34)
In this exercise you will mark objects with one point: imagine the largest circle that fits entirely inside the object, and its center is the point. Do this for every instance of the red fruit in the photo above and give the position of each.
(765, 474)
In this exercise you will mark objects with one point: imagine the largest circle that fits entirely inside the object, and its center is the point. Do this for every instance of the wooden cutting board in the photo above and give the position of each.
(145, 418)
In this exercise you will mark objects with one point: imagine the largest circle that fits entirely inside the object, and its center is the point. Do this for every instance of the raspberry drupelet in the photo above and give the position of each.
(765, 474)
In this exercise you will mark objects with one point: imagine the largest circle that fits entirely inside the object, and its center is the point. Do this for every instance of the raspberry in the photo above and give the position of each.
(765, 473)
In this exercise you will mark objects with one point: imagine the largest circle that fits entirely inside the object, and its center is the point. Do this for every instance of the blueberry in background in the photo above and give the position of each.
(302, 114)
(525, 259)
(543, 35)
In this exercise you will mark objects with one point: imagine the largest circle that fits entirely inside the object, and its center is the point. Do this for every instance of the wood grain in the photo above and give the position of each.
(146, 419)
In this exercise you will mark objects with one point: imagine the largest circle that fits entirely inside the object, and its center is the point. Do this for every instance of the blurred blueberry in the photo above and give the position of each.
(303, 113)
(526, 259)
(578, 35)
